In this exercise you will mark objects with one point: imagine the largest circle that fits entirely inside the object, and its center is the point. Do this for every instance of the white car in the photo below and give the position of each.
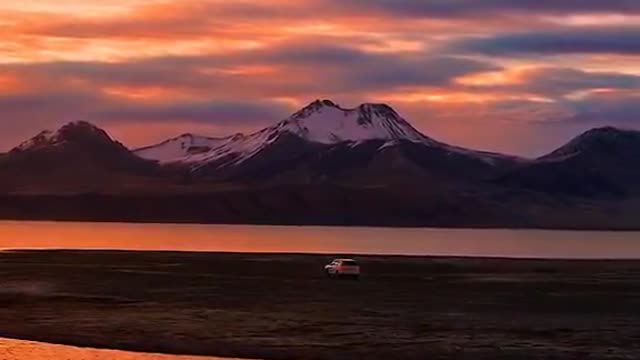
(345, 268)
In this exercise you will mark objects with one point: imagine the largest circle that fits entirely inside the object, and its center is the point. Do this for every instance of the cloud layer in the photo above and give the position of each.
(517, 76)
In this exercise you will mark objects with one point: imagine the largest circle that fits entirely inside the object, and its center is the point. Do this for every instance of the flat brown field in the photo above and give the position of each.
(280, 306)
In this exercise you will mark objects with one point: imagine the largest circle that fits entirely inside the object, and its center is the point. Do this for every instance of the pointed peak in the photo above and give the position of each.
(80, 124)
(78, 130)
(313, 107)
(318, 104)
(323, 102)
(80, 127)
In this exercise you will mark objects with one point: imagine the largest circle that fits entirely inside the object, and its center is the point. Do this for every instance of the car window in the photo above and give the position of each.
(349, 263)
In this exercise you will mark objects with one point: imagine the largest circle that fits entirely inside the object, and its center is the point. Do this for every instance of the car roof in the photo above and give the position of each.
(343, 259)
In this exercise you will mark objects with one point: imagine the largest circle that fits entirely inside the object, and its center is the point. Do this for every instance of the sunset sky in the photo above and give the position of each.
(517, 76)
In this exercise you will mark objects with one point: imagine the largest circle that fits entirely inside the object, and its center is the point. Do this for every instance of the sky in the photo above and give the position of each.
(514, 76)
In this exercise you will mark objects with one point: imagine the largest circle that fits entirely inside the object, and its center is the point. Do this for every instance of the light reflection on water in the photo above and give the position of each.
(241, 238)
(29, 350)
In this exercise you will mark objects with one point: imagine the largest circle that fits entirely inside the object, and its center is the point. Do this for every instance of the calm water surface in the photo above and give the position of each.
(334, 240)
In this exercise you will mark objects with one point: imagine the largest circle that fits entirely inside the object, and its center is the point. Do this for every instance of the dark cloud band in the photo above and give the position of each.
(474, 8)
(583, 41)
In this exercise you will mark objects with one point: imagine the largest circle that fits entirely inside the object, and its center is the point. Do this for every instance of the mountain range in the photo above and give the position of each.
(325, 164)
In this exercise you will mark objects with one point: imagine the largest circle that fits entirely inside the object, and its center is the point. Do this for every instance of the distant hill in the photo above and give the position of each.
(78, 157)
(600, 162)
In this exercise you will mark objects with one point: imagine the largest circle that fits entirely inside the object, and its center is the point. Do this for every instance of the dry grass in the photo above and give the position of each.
(282, 307)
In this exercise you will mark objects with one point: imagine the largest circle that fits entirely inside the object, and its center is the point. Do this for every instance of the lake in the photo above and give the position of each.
(312, 239)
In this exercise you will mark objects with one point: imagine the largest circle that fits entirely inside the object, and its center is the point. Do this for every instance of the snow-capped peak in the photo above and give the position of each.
(320, 122)
(313, 107)
(325, 122)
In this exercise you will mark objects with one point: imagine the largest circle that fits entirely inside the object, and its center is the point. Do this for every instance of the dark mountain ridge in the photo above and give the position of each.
(78, 157)
(323, 165)
(600, 162)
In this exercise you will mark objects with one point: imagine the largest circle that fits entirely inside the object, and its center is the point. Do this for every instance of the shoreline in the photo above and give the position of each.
(399, 257)
(302, 206)
(633, 229)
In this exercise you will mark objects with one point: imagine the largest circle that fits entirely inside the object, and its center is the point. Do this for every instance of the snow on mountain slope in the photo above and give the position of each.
(41, 139)
(78, 131)
(321, 122)
(182, 148)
